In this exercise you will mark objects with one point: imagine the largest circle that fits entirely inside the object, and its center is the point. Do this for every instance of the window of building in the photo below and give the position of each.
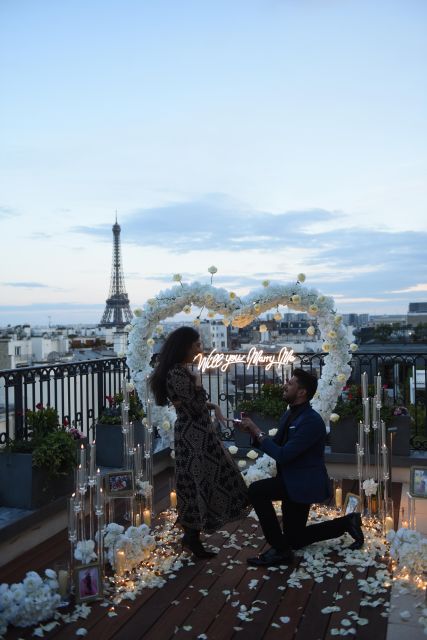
(17, 351)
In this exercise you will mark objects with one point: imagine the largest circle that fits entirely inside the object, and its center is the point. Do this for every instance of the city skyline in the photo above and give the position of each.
(266, 138)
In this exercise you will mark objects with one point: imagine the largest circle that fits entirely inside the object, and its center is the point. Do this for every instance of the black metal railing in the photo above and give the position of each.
(78, 390)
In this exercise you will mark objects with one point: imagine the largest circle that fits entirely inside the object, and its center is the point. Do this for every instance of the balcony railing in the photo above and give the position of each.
(78, 390)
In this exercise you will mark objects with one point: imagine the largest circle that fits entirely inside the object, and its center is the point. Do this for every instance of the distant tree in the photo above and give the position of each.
(420, 332)
(383, 332)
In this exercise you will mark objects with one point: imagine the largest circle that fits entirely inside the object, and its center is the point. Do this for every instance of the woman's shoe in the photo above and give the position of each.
(195, 546)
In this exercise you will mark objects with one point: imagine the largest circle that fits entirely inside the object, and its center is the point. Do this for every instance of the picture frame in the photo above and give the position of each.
(88, 582)
(351, 503)
(418, 482)
(119, 484)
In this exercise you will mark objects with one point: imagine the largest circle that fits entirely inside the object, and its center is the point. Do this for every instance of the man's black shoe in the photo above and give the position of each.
(354, 528)
(271, 557)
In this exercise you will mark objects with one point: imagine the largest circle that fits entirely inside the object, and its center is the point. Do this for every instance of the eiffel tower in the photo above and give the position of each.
(117, 312)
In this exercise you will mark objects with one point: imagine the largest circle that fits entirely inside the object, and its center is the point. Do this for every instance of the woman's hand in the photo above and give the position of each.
(218, 413)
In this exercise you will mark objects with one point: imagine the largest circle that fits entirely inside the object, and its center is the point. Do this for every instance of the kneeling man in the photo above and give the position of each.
(302, 479)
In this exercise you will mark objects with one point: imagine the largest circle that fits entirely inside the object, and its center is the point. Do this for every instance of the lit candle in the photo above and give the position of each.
(72, 516)
(147, 517)
(378, 387)
(338, 498)
(83, 456)
(120, 562)
(404, 524)
(364, 385)
(137, 519)
(388, 524)
(173, 498)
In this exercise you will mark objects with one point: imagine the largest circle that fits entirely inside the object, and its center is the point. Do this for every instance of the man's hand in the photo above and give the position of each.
(250, 427)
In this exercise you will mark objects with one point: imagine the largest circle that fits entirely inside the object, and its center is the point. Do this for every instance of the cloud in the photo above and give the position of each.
(7, 212)
(416, 287)
(28, 285)
(40, 235)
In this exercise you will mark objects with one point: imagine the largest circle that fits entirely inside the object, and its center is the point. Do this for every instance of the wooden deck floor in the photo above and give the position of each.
(209, 599)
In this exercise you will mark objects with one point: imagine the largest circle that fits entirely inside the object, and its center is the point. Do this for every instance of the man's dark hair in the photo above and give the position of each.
(307, 381)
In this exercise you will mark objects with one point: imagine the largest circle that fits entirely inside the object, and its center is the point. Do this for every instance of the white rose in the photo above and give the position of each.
(311, 331)
(177, 277)
(241, 464)
(353, 347)
(326, 346)
(296, 299)
(212, 269)
(233, 450)
(272, 432)
(253, 455)
(137, 313)
(334, 417)
(166, 425)
(150, 342)
(341, 377)
(313, 309)
(301, 277)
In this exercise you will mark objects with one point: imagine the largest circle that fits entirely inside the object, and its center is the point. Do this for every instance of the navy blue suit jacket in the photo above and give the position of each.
(301, 460)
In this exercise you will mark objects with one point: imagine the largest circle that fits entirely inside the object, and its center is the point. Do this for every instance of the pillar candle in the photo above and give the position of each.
(83, 456)
(137, 519)
(338, 497)
(364, 385)
(378, 387)
(147, 517)
(388, 524)
(173, 499)
(63, 582)
(92, 465)
(120, 562)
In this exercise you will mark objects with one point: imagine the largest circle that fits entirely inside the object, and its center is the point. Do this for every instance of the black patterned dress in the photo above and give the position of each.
(209, 486)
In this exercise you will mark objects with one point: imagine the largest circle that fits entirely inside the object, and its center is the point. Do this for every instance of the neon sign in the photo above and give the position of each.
(255, 357)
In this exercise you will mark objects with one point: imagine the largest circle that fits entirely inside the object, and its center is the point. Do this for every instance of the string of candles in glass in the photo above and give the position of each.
(91, 508)
(375, 466)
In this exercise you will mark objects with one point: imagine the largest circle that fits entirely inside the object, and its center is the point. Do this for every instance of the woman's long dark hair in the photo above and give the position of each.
(173, 352)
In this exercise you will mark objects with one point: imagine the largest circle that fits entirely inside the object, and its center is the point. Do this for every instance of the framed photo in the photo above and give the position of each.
(418, 482)
(88, 582)
(351, 503)
(119, 484)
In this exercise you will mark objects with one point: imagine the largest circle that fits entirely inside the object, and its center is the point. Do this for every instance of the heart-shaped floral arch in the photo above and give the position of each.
(241, 311)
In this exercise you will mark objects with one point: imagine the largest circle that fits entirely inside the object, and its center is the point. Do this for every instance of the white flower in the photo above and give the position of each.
(332, 334)
(326, 347)
(301, 277)
(137, 313)
(272, 432)
(370, 487)
(353, 347)
(128, 328)
(296, 299)
(150, 342)
(311, 331)
(187, 308)
(277, 316)
(341, 377)
(262, 328)
(177, 277)
(334, 417)
(241, 464)
(233, 450)
(313, 309)
(130, 386)
(266, 283)
(212, 270)
(166, 425)
(85, 551)
(253, 455)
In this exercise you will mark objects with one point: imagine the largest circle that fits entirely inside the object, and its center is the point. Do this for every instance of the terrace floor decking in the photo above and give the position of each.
(201, 598)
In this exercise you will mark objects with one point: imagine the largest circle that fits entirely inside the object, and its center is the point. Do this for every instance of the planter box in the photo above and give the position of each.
(243, 440)
(109, 443)
(25, 487)
(401, 437)
(343, 435)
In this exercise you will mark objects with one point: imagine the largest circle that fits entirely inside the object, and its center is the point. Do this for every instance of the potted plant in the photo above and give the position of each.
(109, 434)
(400, 423)
(264, 409)
(39, 468)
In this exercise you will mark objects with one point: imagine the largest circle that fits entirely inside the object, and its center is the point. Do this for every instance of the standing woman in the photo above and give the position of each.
(210, 489)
